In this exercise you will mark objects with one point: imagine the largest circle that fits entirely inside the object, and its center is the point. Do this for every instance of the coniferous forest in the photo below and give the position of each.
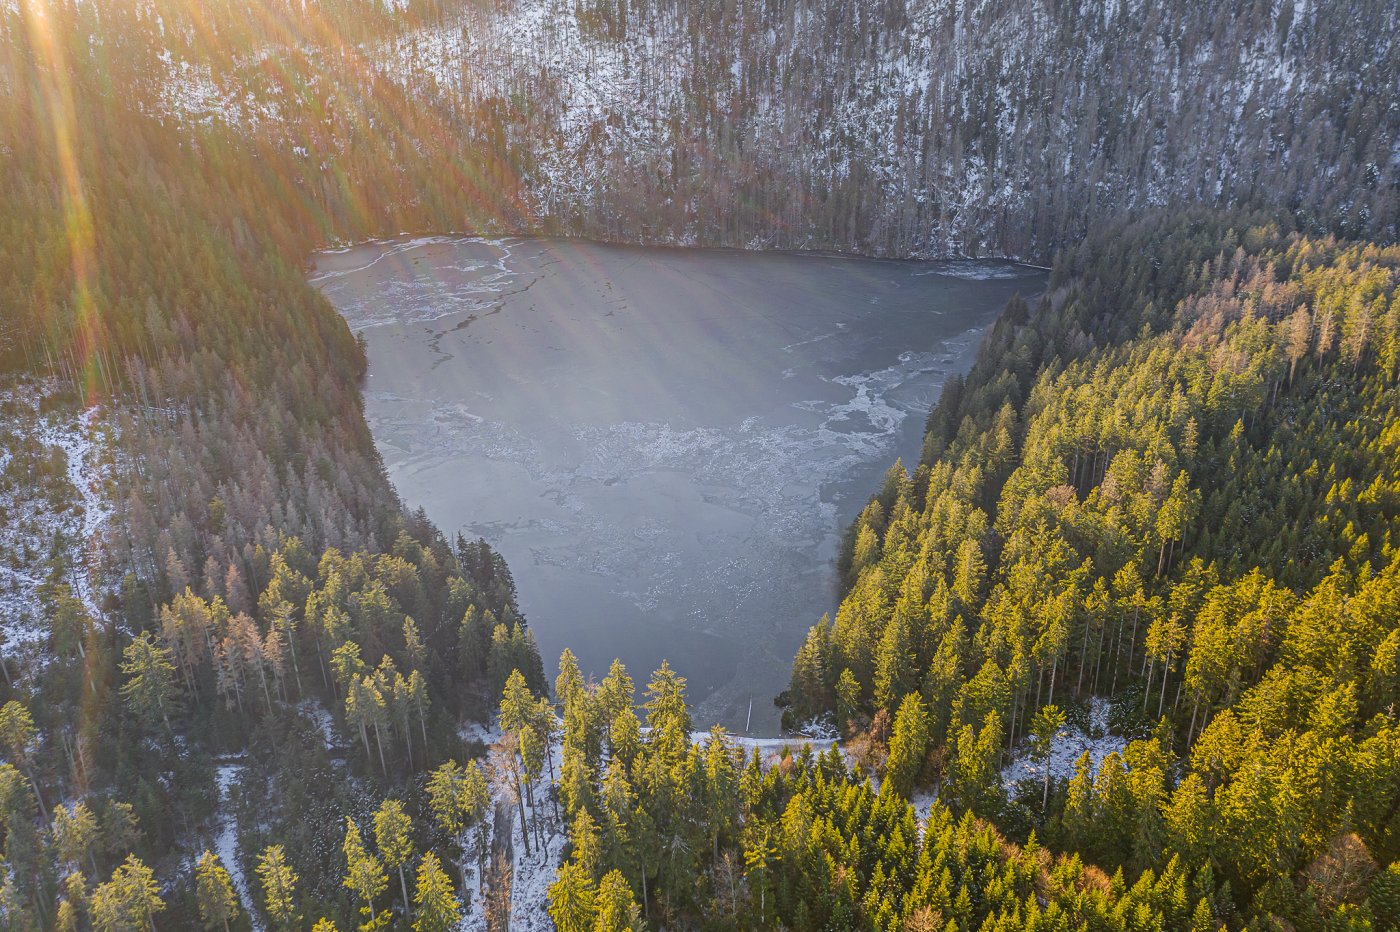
(1125, 499)
(264, 693)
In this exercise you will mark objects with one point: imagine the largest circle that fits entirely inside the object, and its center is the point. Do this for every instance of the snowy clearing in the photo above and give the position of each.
(1070, 743)
(55, 471)
(226, 843)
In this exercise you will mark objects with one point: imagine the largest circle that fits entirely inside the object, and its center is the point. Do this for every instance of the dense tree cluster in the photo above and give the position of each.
(162, 266)
(261, 591)
(1173, 483)
(711, 838)
(400, 646)
(131, 899)
(379, 632)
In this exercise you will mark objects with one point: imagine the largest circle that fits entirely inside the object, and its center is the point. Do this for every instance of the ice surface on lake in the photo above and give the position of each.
(664, 443)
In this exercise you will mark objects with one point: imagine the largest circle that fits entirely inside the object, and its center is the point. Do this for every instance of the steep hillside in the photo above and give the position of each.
(1172, 485)
(933, 128)
(211, 593)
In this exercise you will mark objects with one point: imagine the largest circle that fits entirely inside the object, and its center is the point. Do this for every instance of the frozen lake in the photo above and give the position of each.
(665, 444)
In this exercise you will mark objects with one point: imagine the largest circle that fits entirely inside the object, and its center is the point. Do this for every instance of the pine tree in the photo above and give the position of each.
(667, 715)
(970, 574)
(974, 773)
(517, 704)
(720, 785)
(366, 709)
(617, 907)
(414, 648)
(761, 855)
(458, 797)
(419, 702)
(118, 827)
(1044, 727)
(893, 665)
(570, 679)
(519, 745)
(576, 781)
(19, 740)
(867, 549)
(908, 746)
(75, 901)
(572, 900)
(150, 686)
(847, 698)
(809, 689)
(347, 665)
(74, 834)
(17, 734)
(16, 913)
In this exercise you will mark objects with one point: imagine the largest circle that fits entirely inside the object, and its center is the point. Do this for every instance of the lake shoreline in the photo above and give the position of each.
(344, 246)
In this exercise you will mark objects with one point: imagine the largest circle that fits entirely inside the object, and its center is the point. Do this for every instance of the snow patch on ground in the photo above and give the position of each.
(1070, 743)
(318, 715)
(56, 467)
(226, 843)
(194, 94)
(770, 746)
(532, 876)
(79, 442)
(819, 729)
(923, 805)
(487, 733)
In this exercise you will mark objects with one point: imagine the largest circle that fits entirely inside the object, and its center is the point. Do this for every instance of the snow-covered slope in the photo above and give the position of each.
(55, 475)
(1071, 742)
(929, 128)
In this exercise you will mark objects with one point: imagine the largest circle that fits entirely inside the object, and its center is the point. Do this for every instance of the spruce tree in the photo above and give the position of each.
(908, 746)
(571, 900)
(279, 886)
(218, 903)
(617, 907)
(1044, 727)
(150, 686)
(129, 901)
(435, 907)
(75, 832)
(393, 836)
(458, 797)
(364, 875)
